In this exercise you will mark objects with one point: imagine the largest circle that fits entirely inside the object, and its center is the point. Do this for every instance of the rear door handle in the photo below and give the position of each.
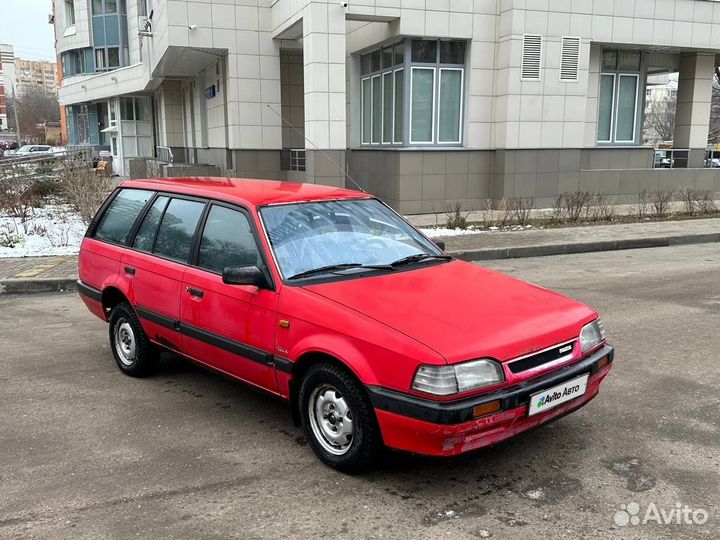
(130, 270)
(195, 292)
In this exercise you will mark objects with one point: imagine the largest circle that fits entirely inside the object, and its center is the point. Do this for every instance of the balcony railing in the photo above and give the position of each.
(164, 154)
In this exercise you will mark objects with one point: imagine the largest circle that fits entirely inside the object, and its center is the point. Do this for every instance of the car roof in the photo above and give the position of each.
(247, 191)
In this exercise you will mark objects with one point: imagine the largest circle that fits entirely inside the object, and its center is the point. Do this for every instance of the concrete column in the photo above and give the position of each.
(324, 75)
(692, 119)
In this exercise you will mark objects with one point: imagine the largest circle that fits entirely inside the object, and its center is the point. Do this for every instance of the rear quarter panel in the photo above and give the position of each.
(98, 267)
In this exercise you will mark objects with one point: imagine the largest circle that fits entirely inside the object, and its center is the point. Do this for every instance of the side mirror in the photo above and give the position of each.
(440, 244)
(244, 275)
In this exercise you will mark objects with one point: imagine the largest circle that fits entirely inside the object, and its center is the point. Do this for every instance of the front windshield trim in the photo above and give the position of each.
(338, 277)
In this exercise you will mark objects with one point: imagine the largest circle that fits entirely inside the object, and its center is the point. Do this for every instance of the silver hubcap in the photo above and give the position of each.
(125, 342)
(331, 419)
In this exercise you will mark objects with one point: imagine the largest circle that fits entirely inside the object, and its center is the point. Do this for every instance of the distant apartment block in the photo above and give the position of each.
(424, 103)
(30, 74)
(7, 81)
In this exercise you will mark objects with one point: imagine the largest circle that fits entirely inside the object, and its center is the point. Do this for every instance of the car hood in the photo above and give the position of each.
(463, 311)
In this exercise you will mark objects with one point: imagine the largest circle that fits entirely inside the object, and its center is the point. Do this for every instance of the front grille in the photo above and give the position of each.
(545, 357)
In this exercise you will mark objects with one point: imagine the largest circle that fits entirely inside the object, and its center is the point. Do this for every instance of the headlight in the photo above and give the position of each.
(447, 380)
(592, 334)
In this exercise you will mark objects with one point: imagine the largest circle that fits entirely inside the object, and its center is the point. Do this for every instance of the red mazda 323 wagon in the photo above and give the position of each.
(329, 299)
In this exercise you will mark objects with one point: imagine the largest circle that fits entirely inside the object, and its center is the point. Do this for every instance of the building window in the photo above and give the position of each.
(69, 13)
(432, 101)
(619, 97)
(76, 62)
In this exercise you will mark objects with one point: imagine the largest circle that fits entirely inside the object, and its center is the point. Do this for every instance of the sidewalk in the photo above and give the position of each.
(44, 274)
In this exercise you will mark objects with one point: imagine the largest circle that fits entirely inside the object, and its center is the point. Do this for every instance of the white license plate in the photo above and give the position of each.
(557, 395)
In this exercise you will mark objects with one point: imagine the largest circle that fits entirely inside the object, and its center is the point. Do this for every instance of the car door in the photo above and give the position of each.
(229, 327)
(156, 263)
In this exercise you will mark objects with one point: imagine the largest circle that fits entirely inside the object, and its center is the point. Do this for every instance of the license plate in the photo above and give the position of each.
(557, 395)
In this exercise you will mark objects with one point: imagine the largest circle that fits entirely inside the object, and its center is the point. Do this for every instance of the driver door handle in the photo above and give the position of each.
(195, 292)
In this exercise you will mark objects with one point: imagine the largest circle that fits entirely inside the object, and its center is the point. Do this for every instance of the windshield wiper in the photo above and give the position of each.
(419, 257)
(335, 267)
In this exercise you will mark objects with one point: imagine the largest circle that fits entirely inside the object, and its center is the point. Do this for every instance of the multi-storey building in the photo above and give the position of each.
(7, 81)
(31, 74)
(422, 102)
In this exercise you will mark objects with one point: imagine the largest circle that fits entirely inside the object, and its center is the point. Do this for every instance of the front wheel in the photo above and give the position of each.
(133, 352)
(338, 419)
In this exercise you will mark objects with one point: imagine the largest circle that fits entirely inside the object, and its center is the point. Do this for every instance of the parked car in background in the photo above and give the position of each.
(33, 149)
(330, 300)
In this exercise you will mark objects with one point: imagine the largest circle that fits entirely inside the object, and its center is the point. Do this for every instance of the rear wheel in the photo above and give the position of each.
(338, 419)
(133, 352)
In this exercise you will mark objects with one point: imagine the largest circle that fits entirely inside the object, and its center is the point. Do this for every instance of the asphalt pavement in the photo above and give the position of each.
(88, 452)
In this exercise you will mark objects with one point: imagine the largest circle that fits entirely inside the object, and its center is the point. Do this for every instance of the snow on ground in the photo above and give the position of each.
(51, 230)
(436, 232)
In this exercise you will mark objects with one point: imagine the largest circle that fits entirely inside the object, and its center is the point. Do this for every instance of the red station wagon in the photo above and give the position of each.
(329, 299)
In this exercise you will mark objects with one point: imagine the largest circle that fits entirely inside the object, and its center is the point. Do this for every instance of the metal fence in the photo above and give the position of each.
(40, 165)
(164, 154)
(671, 158)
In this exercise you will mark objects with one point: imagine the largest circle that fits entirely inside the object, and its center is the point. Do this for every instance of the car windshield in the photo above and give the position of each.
(332, 234)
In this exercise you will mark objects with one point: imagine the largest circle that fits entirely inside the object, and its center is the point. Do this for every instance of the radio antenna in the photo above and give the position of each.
(323, 152)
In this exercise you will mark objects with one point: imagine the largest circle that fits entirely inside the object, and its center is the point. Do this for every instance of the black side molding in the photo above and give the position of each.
(457, 412)
(90, 292)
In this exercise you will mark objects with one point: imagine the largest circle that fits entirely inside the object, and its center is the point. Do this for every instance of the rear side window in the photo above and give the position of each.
(227, 240)
(121, 214)
(145, 236)
(175, 235)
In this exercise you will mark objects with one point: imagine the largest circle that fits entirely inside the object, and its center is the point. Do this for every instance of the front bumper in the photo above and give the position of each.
(448, 428)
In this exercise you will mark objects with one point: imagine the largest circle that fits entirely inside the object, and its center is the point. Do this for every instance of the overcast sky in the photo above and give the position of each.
(24, 25)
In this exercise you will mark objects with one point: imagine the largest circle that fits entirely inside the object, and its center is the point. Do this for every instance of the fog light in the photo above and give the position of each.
(604, 361)
(486, 408)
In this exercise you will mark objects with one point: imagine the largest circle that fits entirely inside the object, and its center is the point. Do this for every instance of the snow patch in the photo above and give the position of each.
(51, 230)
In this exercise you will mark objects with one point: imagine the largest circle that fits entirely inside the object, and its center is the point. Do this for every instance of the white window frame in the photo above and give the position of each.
(635, 113)
(69, 8)
(362, 111)
(439, 101)
(612, 108)
(394, 77)
(391, 75)
(372, 110)
(434, 103)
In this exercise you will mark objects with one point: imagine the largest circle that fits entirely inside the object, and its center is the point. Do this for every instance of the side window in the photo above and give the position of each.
(175, 235)
(121, 214)
(146, 233)
(227, 240)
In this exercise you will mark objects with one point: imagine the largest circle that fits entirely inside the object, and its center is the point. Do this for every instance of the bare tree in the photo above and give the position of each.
(660, 117)
(714, 131)
(35, 106)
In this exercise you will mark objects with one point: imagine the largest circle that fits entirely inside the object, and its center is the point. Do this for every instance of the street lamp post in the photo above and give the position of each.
(15, 113)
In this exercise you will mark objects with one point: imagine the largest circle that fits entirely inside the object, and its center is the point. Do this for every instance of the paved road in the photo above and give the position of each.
(88, 452)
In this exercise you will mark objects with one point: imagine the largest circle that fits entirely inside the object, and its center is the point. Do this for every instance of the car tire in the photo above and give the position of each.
(338, 419)
(132, 350)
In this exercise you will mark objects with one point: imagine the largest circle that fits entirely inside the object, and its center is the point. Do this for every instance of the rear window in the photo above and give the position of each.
(121, 214)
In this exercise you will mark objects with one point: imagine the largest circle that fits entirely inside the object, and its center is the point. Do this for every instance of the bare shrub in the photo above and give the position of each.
(455, 218)
(17, 198)
(84, 192)
(520, 209)
(643, 203)
(504, 214)
(601, 208)
(558, 209)
(8, 236)
(576, 204)
(486, 214)
(689, 197)
(706, 202)
(661, 201)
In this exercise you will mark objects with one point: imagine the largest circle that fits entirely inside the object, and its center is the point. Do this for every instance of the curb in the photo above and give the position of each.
(584, 247)
(38, 285)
